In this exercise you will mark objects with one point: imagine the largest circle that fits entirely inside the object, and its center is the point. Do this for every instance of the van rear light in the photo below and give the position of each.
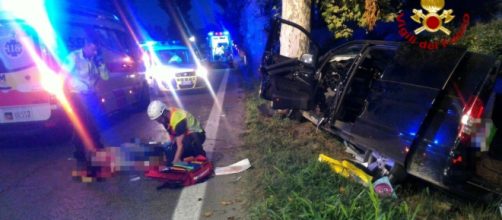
(457, 160)
(471, 118)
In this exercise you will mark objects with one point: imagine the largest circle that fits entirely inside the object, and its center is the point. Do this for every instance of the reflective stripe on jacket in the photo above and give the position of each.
(84, 72)
(177, 115)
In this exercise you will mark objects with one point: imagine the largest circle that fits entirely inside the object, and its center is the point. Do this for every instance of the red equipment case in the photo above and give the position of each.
(185, 174)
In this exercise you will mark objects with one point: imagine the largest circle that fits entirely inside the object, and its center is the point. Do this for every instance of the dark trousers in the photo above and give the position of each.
(86, 108)
(192, 146)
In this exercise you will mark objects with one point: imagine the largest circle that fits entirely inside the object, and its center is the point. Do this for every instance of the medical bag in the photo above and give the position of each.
(182, 174)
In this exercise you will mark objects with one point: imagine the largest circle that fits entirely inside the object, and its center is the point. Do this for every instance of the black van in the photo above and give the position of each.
(398, 108)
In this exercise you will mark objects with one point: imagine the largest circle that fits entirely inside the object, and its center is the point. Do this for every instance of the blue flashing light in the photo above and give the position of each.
(39, 17)
(413, 133)
(446, 134)
(211, 33)
(226, 33)
(150, 43)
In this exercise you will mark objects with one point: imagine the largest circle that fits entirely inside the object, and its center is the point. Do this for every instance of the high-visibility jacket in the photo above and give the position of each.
(84, 73)
(177, 115)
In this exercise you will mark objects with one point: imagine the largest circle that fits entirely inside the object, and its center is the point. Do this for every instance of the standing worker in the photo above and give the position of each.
(87, 69)
(183, 128)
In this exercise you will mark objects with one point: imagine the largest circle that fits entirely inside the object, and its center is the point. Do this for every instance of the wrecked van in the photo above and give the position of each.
(399, 109)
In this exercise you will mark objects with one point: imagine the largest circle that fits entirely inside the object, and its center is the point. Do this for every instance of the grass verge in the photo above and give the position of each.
(287, 182)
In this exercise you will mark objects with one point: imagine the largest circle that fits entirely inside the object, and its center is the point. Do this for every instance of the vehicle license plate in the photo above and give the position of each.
(20, 115)
(186, 83)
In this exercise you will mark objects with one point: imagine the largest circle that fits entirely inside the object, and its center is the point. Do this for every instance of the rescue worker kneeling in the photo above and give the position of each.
(183, 128)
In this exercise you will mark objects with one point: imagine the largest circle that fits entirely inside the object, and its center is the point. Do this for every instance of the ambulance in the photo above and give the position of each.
(220, 49)
(27, 104)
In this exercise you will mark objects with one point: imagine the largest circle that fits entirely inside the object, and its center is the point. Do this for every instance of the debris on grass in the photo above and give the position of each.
(285, 183)
(347, 169)
(226, 203)
(234, 168)
(383, 188)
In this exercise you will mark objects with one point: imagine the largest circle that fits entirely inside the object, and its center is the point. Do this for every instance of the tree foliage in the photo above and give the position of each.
(342, 16)
(484, 38)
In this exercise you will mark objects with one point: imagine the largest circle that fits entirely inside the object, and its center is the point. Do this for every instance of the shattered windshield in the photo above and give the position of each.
(341, 59)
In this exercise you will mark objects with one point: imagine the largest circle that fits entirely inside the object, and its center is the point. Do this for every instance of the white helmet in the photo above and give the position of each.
(155, 109)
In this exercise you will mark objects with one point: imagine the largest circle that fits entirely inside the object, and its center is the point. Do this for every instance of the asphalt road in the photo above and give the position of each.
(35, 181)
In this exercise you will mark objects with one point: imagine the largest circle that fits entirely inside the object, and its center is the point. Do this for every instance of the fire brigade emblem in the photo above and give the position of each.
(432, 21)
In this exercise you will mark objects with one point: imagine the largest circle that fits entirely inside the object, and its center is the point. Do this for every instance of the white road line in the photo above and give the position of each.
(189, 206)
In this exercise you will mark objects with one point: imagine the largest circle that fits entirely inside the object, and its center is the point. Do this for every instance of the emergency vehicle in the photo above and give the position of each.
(220, 49)
(172, 67)
(27, 104)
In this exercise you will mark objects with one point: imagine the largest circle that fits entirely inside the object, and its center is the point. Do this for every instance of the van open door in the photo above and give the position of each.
(288, 82)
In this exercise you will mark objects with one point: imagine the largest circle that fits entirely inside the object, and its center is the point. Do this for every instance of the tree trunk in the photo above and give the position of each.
(293, 42)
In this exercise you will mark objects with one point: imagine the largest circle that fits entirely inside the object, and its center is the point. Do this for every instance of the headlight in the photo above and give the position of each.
(201, 72)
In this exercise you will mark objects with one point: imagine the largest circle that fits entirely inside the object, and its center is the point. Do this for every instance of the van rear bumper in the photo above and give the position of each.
(57, 120)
